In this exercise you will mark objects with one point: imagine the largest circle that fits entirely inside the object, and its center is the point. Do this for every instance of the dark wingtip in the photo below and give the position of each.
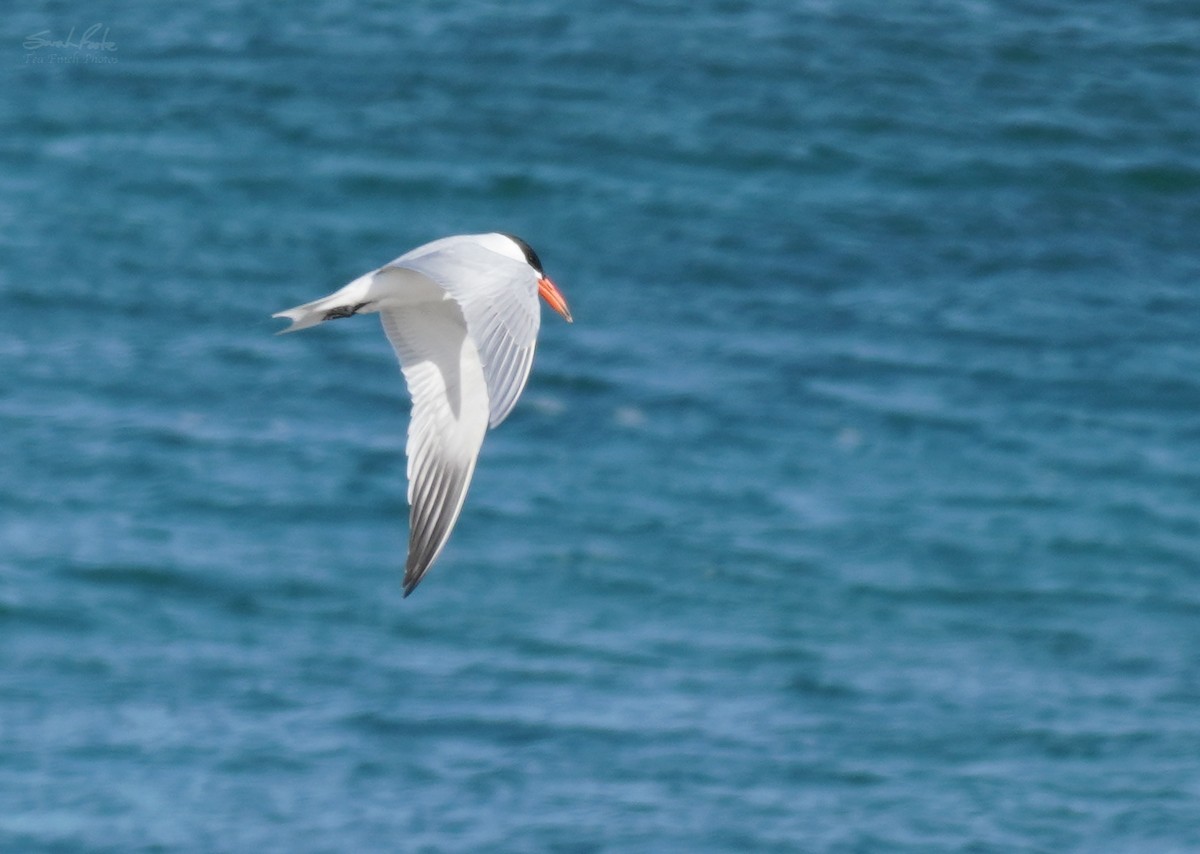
(411, 580)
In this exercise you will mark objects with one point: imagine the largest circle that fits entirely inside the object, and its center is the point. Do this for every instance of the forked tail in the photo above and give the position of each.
(342, 303)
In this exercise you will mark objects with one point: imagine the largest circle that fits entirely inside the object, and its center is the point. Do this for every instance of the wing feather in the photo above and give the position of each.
(446, 379)
(499, 302)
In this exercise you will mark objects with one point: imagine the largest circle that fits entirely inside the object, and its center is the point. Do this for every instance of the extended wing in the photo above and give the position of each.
(449, 418)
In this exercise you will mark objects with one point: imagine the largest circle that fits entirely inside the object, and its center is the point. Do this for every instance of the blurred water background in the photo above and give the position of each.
(858, 511)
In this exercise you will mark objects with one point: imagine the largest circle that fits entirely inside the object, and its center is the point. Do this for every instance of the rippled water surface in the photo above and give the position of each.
(859, 510)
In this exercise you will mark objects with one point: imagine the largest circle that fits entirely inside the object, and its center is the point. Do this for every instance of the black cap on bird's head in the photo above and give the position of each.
(548, 290)
(532, 257)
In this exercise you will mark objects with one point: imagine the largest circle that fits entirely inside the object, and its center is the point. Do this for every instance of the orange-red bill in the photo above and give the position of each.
(553, 296)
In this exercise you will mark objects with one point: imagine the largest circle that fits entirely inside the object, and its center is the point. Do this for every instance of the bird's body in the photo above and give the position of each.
(462, 315)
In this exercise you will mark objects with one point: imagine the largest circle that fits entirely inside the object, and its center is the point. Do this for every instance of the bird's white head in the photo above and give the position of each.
(517, 249)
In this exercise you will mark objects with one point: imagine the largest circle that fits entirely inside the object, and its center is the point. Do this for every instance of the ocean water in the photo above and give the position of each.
(858, 511)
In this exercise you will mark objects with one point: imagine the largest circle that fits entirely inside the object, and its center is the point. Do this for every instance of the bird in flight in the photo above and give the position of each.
(462, 315)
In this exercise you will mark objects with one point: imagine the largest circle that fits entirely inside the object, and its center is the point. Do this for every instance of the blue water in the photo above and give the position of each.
(858, 511)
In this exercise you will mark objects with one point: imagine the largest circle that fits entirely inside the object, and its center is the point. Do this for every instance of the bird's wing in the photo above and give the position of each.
(498, 298)
(449, 417)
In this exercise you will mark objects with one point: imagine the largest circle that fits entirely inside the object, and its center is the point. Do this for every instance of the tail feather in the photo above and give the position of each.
(303, 316)
(311, 313)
